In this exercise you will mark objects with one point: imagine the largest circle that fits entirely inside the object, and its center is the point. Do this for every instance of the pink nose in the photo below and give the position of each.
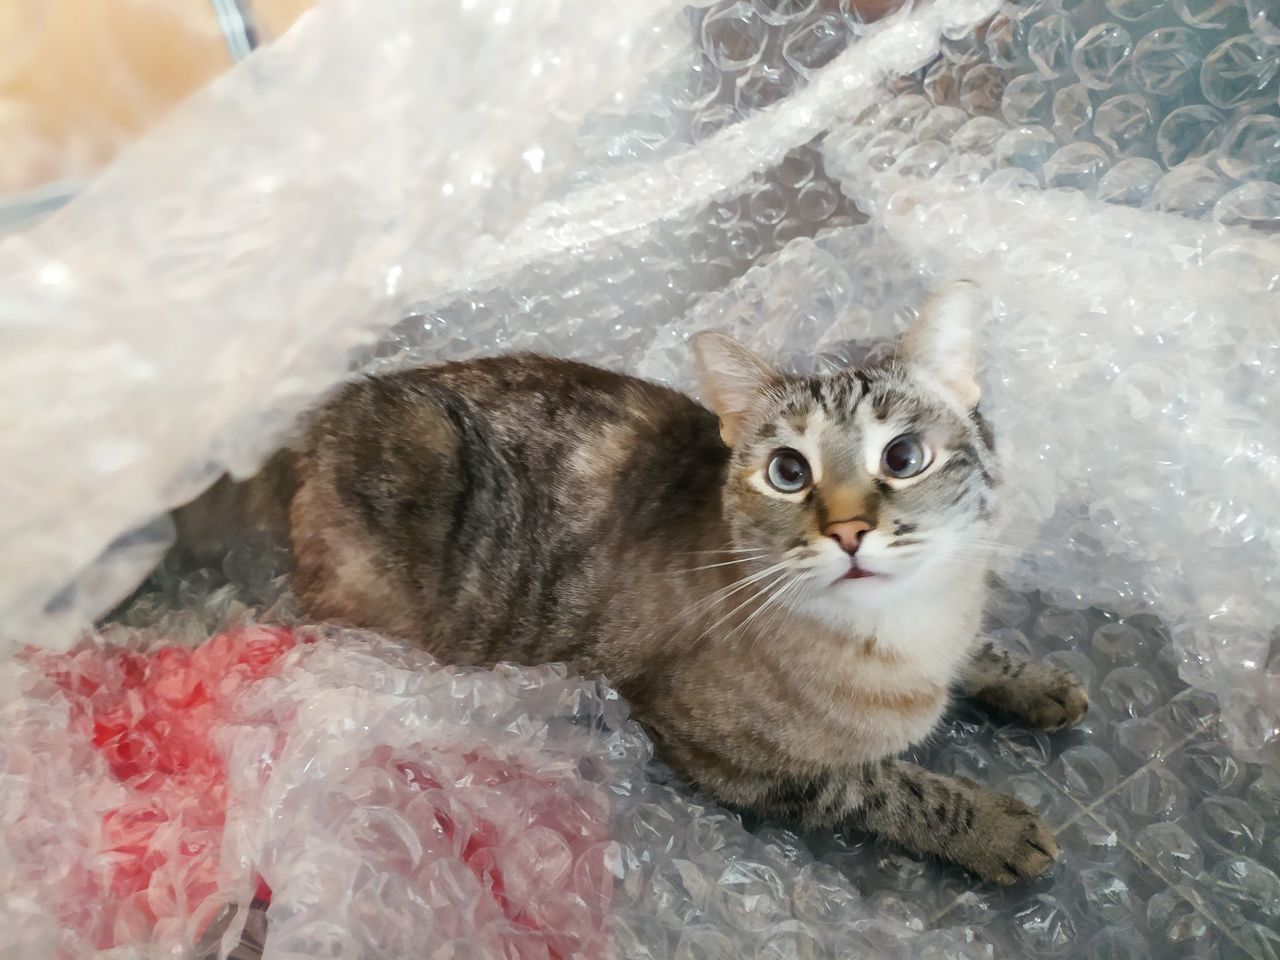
(849, 533)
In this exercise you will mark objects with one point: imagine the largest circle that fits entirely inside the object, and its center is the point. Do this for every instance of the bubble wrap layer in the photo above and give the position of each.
(334, 794)
(226, 264)
(1131, 363)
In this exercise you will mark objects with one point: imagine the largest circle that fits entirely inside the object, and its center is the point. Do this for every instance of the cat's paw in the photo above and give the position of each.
(1010, 842)
(1058, 701)
(1041, 696)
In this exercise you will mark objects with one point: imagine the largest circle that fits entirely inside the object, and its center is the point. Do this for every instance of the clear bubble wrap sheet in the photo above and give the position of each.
(402, 182)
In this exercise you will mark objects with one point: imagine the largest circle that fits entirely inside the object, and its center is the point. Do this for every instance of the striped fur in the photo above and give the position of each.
(533, 509)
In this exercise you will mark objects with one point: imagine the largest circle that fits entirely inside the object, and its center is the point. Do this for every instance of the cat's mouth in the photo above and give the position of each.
(857, 573)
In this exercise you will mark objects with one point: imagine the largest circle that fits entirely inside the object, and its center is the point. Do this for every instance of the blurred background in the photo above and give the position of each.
(80, 80)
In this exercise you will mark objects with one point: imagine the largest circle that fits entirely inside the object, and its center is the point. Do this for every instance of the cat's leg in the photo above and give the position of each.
(1036, 693)
(993, 835)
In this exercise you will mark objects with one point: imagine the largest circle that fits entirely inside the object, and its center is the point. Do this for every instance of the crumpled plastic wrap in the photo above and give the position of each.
(368, 802)
(286, 792)
(783, 169)
(226, 264)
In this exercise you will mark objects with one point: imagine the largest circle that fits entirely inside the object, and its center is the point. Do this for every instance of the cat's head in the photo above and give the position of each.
(854, 487)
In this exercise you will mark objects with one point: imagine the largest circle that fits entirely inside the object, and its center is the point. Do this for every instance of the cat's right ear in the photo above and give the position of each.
(731, 378)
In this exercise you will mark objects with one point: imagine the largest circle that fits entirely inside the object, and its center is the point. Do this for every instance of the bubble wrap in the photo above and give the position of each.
(476, 107)
(393, 188)
(1152, 366)
(286, 792)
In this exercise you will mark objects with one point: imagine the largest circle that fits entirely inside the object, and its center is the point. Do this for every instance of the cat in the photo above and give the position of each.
(786, 587)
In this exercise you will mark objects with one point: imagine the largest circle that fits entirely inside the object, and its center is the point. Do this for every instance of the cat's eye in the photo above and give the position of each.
(788, 471)
(904, 457)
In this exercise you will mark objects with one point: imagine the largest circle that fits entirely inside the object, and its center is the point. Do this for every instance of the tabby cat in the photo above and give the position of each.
(785, 590)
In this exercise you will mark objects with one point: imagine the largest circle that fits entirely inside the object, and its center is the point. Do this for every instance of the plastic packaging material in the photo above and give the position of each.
(176, 316)
(238, 313)
(1131, 364)
(332, 793)
(793, 172)
(1152, 335)
(115, 791)
(152, 718)
(364, 798)
(361, 789)
(1149, 107)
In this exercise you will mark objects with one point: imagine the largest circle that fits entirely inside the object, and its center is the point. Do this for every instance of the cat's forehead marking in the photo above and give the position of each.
(831, 397)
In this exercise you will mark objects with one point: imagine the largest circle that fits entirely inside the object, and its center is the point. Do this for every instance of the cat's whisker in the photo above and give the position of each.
(719, 552)
(745, 581)
(724, 563)
(779, 612)
(778, 588)
(754, 596)
(775, 598)
(725, 592)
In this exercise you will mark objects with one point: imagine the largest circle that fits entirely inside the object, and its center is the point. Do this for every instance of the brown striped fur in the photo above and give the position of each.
(533, 509)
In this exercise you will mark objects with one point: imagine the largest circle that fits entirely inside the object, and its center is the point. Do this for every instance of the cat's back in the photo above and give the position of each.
(492, 502)
(572, 430)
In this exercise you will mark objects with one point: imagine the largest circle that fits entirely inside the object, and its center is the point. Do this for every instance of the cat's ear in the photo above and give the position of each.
(731, 378)
(943, 340)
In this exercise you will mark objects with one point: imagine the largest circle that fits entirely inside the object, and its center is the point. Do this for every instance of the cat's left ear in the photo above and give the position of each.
(731, 378)
(943, 339)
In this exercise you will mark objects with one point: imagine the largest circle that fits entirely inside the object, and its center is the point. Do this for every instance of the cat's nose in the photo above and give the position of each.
(849, 533)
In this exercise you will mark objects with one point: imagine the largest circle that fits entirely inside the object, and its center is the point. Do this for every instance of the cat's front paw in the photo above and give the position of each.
(1010, 843)
(1040, 695)
(1063, 704)
(1055, 700)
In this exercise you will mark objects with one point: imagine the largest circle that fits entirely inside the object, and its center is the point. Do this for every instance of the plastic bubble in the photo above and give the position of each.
(1049, 45)
(1101, 55)
(1072, 112)
(1264, 19)
(1205, 14)
(816, 45)
(1250, 149)
(1254, 206)
(1130, 182)
(1125, 124)
(1167, 61)
(981, 89)
(734, 36)
(1239, 71)
(1190, 190)
(1189, 133)
(1027, 99)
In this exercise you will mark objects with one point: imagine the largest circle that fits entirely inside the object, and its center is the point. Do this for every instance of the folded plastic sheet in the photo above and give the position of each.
(171, 321)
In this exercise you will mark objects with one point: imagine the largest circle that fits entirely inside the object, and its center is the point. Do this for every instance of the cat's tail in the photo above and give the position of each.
(232, 512)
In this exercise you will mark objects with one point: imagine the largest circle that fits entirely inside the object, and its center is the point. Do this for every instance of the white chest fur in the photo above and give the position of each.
(884, 669)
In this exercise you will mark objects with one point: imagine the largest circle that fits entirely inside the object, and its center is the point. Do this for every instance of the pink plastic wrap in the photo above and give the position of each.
(194, 756)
